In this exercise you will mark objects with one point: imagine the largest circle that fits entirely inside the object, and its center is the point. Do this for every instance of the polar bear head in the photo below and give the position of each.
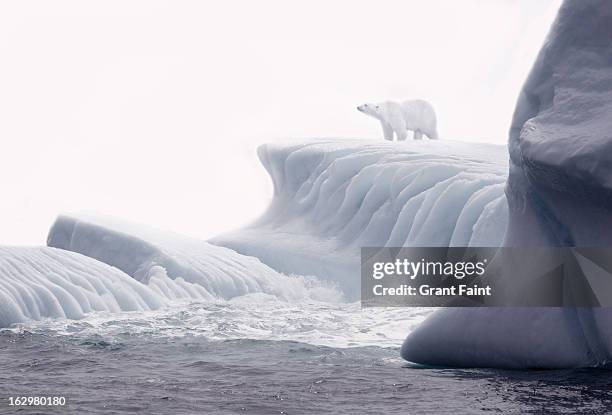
(373, 110)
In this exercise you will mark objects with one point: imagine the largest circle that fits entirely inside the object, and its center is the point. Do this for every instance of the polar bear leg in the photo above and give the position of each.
(433, 135)
(387, 130)
(399, 127)
(417, 135)
(402, 134)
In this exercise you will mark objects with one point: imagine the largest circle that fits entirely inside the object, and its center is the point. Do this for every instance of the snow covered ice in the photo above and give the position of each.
(333, 196)
(46, 282)
(366, 192)
(154, 257)
(135, 269)
(559, 194)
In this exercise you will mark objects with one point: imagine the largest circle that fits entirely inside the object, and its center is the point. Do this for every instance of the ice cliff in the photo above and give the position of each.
(559, 193)
(333, 196)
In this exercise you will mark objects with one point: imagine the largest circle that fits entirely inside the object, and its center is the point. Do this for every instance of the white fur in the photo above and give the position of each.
(415, 115)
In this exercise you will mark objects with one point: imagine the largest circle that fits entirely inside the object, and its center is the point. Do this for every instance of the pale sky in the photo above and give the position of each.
(152, 110)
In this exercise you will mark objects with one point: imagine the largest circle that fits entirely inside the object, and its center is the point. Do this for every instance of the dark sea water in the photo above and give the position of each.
(143, 373)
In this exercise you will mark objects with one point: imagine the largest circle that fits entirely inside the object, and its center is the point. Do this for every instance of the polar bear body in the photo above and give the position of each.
(415, 115)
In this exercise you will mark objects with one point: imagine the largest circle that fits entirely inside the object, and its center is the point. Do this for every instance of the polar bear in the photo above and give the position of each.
(416, 115)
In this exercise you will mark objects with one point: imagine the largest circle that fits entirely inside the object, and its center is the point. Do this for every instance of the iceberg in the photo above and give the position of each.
(559, 193)
(46, 282)
(334, 196)
(101, 264)
(37, 283)
(179, 266)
